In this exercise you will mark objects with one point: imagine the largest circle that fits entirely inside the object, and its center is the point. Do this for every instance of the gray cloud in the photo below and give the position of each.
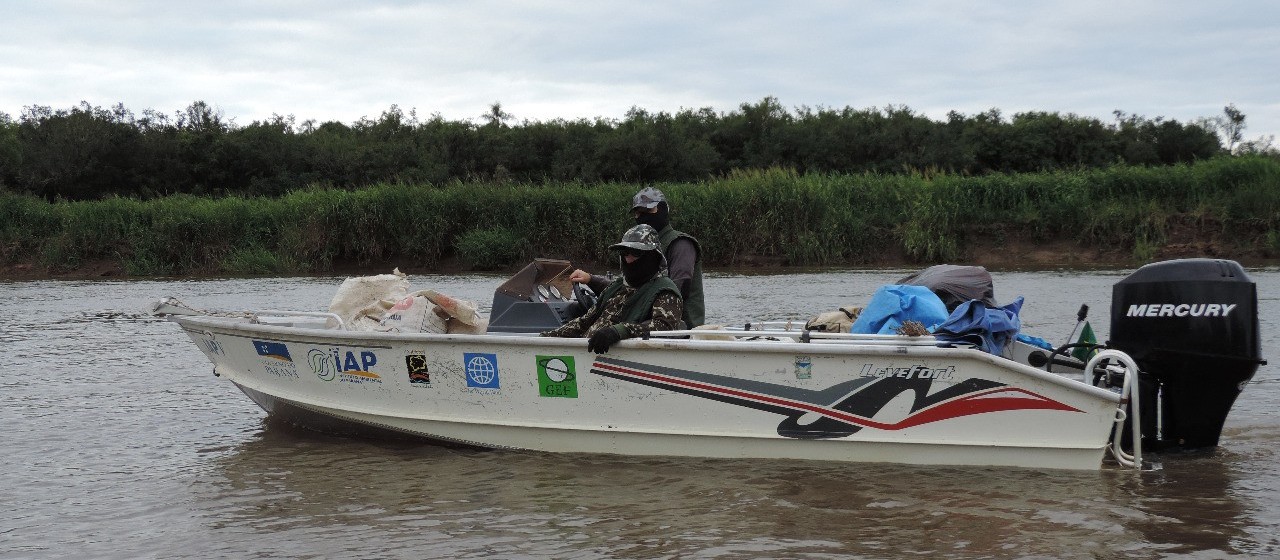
(554, 59)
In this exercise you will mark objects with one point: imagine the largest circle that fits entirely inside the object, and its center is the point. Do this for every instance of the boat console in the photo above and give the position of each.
(537, 298)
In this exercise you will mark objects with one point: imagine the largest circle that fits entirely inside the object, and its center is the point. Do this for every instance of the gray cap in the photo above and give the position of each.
(648, 197)
(641, 238)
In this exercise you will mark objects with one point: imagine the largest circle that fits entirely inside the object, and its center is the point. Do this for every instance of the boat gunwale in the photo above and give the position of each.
(188, 322)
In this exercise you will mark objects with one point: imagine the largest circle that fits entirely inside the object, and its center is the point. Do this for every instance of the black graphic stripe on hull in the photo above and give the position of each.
(996, 399)
(696, 392)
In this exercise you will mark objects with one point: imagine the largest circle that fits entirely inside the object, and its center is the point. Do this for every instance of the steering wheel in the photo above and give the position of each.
(584, 295)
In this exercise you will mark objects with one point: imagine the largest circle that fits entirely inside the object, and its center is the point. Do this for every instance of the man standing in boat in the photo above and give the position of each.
(683, 254)
(641, 301)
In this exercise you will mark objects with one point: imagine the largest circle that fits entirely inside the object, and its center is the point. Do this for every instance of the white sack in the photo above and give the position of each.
(363, 301)
(415, 314)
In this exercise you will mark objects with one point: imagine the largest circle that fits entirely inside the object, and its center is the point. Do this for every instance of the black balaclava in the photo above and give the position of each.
(643, 269)
(657, 220)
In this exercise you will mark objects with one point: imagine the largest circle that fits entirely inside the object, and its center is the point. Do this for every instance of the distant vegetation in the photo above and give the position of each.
(197, 193)
(798, 218)
(91, 153)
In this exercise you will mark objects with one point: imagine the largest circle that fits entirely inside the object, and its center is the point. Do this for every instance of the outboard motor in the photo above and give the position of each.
(1192, 327)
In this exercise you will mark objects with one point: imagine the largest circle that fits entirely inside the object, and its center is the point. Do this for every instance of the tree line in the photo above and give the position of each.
(89, 152)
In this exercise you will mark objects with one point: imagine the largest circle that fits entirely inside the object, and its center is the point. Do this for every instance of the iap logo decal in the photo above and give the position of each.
(213, 346)
(557, 377)
(349, 366)
(482, 370)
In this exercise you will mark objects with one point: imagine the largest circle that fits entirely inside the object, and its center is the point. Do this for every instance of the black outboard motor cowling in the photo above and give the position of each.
(1192, 327)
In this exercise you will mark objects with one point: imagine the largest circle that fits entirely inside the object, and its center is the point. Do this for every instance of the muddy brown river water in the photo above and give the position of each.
(118, 442)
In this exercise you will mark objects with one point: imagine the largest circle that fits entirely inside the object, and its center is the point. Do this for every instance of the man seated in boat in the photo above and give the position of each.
(684, 256)
(643, 300)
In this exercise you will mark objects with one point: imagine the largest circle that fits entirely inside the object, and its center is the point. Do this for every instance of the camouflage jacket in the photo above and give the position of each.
(667, 309)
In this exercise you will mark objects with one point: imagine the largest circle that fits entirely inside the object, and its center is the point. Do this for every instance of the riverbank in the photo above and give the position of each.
(763, 220)
(1005, 256)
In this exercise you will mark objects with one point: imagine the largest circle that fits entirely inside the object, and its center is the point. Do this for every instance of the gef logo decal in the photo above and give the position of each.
(557, 377)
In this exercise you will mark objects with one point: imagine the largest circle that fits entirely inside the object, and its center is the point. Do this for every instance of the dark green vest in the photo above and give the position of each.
(639, 306)
(694, 308)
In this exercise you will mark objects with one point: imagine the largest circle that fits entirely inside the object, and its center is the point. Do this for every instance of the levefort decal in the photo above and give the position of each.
(909, 372)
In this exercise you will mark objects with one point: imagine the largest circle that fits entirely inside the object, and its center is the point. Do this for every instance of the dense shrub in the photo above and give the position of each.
(796, 218)
(490, 248)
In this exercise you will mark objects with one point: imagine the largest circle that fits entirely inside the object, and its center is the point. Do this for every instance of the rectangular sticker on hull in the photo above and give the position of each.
(353, 366)
(275, 359)
(557, 377)
(419, 372)
(482, 370)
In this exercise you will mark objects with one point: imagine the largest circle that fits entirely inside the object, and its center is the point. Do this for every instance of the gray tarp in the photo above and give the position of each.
(955, 284)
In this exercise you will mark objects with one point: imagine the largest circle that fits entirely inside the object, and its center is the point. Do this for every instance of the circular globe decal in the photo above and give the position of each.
(557, 370)
(481, 370)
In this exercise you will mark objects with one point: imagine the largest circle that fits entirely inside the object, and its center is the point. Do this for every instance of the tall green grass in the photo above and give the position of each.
(799, 219)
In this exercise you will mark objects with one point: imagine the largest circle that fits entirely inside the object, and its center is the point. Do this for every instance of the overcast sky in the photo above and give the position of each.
(343, 60)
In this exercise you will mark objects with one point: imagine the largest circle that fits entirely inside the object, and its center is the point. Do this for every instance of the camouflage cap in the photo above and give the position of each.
(648, 197)
(640, 238)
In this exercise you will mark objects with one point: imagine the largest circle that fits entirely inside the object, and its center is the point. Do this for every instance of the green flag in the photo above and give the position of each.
(1086, 337)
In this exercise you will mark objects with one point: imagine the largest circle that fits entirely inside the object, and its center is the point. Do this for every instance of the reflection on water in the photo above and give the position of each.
(1185, 502)
(119, 443)
(478, 503)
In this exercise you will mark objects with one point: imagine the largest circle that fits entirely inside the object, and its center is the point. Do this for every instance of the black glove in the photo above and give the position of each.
(602, 340)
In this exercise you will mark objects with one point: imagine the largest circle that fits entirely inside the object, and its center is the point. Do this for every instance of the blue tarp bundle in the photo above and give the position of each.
(895, 304)
(991, 328)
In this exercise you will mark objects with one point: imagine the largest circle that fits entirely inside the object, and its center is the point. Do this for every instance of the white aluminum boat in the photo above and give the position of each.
(780, 392)
(877, 398)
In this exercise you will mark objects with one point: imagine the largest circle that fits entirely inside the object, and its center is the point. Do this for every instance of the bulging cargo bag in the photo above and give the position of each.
(414, 314)
(433, 312)
(383, 303)
(363, 301)
(463, 315)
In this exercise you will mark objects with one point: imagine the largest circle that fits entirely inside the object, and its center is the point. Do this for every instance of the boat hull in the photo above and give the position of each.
(883, 402)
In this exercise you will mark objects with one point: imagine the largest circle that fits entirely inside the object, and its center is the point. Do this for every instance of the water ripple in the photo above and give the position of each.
(120, 444)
